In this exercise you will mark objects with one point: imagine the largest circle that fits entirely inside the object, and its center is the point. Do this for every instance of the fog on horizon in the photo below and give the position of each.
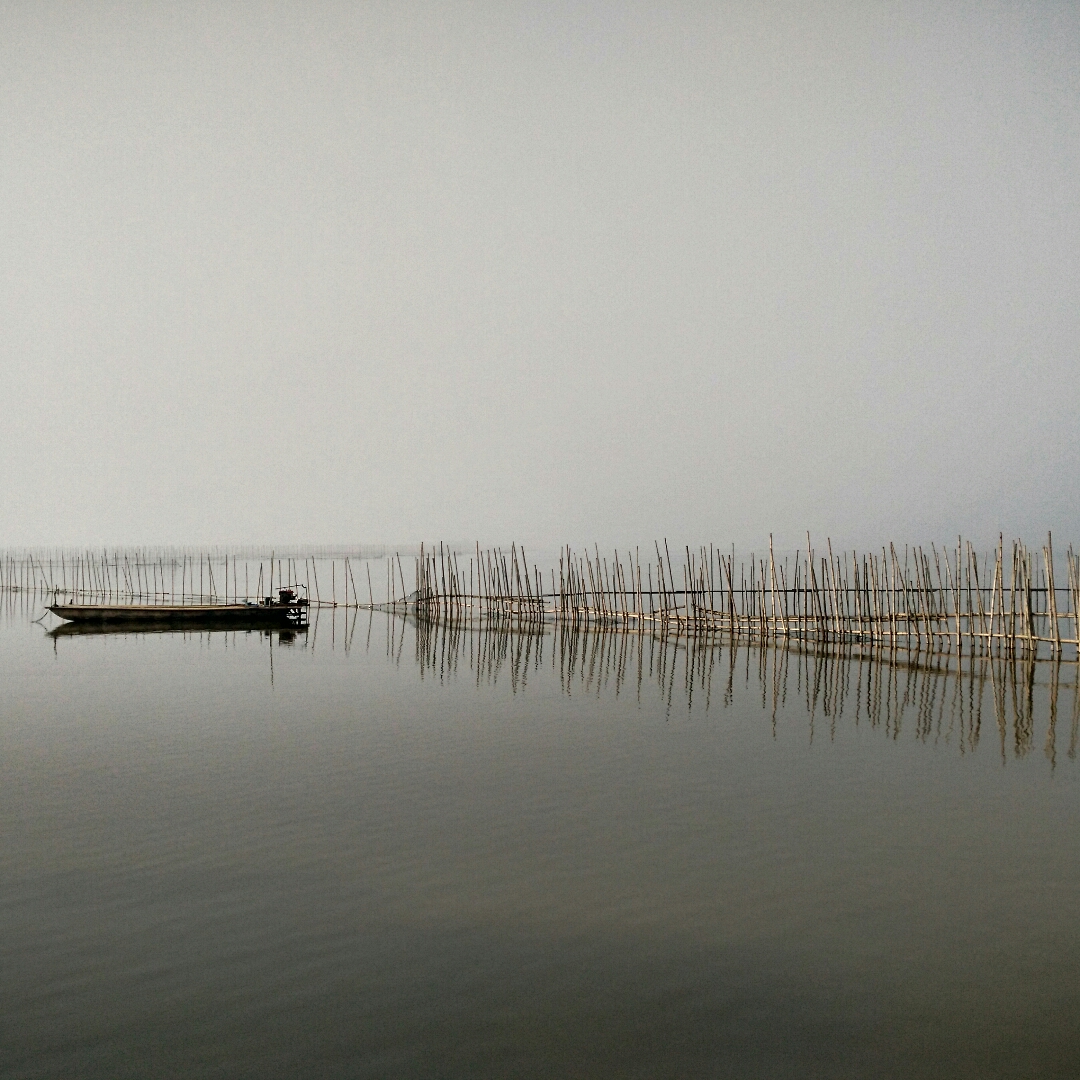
(558, 272)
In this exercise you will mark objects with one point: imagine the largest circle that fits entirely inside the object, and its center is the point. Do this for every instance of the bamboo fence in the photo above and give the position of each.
(1014, 600)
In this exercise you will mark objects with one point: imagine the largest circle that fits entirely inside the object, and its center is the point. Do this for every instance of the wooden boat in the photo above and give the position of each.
(284, 634)
(288, 611)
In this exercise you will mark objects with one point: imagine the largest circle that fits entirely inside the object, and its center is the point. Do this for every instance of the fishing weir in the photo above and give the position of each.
(870, 634)
(1012, 601)
(921, 602)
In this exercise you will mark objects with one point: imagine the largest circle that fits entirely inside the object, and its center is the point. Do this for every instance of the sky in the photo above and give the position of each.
(554, 272)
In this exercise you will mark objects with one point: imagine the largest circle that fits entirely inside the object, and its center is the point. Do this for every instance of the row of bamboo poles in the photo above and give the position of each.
(1014, 600)
(923, 601)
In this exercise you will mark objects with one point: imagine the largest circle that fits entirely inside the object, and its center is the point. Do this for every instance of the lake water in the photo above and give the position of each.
(373, 852)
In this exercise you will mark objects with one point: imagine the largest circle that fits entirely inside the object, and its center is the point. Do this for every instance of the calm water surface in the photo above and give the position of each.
(372, 853)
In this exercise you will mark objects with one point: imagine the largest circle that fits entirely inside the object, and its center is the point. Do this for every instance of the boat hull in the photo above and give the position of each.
(204, 615)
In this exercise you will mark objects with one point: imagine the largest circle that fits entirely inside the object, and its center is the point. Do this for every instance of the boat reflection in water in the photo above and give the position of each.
(282, 635)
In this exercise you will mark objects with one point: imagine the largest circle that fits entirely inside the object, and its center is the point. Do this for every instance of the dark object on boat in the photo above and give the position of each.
(288, 611)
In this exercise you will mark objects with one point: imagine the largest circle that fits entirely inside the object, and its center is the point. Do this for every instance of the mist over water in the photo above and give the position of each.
(800, 280)
(379, 849)
(539, 271)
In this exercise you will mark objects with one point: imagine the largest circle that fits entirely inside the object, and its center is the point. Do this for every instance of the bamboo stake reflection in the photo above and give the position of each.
(945, 695)
(935, 635)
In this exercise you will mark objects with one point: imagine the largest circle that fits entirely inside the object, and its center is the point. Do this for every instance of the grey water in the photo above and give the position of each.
(378, 850)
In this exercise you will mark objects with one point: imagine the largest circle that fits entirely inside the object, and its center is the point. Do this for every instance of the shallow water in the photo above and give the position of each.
(376, 852)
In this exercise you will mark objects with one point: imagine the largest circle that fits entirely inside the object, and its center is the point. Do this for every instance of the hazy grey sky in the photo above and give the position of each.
(552, 271)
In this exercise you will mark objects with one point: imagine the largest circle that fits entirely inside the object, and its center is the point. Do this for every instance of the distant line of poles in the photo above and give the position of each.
(184, 578)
